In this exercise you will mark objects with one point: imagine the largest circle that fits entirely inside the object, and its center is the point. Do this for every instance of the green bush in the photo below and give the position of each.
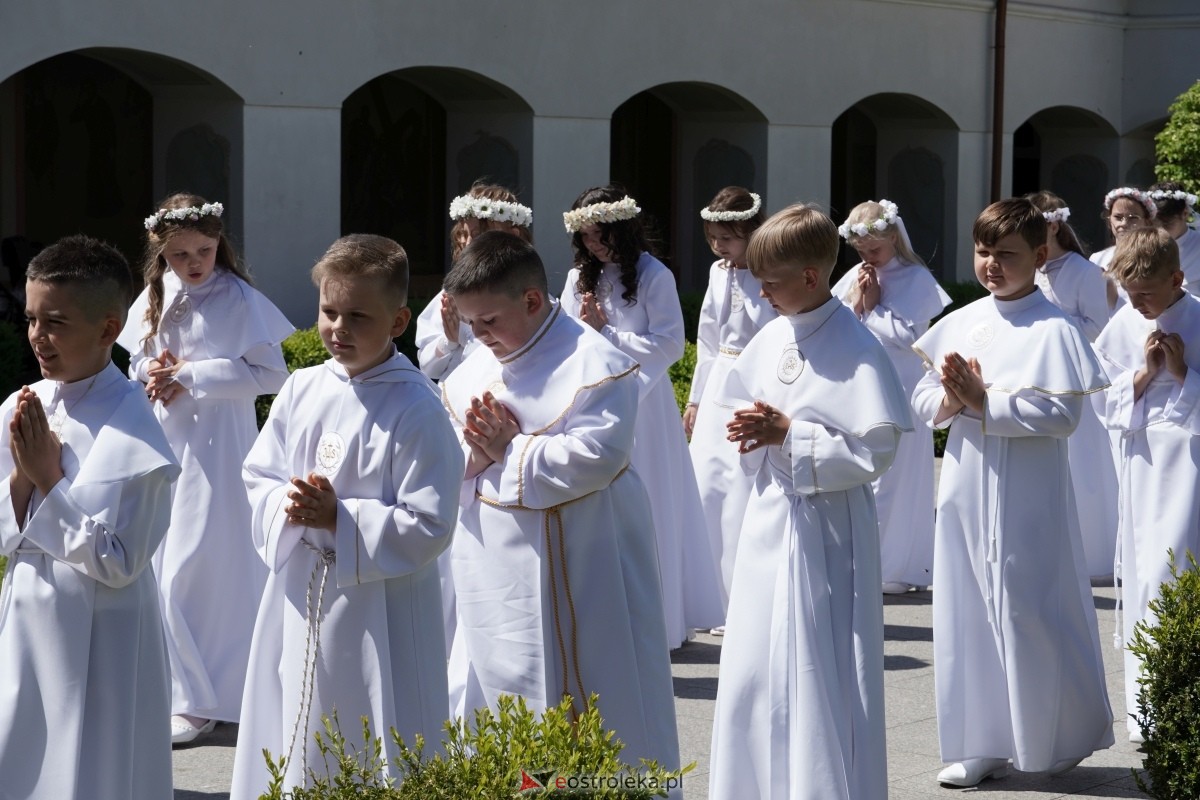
(1169, 693)
(484, 761)
(681, 374)
(1177, 146)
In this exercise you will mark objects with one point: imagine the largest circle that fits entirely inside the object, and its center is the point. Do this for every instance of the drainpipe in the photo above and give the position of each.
(998, 100)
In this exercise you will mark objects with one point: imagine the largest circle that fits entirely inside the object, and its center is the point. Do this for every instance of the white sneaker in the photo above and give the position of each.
(183, 731)
(718, 631)
(973, 770)
(897, 587)
(1136, 737)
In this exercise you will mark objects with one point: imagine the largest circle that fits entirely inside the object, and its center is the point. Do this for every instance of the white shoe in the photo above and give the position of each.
(718, 631)
(1136, 737)
(183, 731)
(1065, 765)
(973, 770)
(897, 587)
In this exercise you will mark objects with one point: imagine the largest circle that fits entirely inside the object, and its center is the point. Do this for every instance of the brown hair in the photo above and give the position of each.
(1047, 201)
(154, 264)
(734, 198)
(366, 255)
(799, 236)
(96, 272)
(1006, 217)
(1144, 253)
(496, 262)
(486, 191)
(625, 240)
(1168, 207)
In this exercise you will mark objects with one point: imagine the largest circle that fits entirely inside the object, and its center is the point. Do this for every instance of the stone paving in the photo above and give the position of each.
(202, 771)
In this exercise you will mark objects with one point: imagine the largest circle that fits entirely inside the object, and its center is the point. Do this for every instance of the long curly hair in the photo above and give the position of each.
(625, 240)
(154, 264)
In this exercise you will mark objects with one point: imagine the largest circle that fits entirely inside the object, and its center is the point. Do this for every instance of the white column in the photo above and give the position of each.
(798, 165)
(291, 200)
(973, 195)
(569, 155)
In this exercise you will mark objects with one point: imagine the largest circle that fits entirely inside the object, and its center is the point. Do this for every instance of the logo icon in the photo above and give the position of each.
(529, 783)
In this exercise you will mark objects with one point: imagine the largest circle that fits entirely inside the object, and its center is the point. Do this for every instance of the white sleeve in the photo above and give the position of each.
(661, 344)
(708, 340)
(261, 370)
(815, 459)
(1015, 414)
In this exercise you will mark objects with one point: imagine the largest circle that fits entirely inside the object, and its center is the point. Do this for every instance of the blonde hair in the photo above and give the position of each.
(867, 213)
(366, 255)
(1144, 253)
(799, 236)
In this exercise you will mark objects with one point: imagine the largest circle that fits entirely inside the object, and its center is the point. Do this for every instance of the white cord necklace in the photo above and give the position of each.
(61, 413)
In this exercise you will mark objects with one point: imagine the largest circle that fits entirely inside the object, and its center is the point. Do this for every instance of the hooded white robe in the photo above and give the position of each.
(85, 695)
(1017, 664)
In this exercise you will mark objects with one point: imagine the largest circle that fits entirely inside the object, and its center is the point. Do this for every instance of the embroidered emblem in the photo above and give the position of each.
(981, 336)
(180, 309)
(331, 451)
(496, 387)
(737, 300)
(791, 364)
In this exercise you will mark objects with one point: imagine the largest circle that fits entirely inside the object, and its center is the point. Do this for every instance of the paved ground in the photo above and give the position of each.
(202, 771)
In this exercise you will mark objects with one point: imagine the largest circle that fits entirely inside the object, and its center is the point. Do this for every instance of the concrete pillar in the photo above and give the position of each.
(972, 196)
(291, 200)
(569, 155)
(799, 158)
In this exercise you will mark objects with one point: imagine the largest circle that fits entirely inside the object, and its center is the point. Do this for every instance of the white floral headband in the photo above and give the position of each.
(891, 213)
(1059, 215)
(1188, 198)
(708, 215)
(596, 213)
(499, 210)
(191, 213)
(1133, 194)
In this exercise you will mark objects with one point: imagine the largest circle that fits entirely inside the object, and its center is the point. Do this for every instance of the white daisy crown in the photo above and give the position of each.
(1188, 198)
(1059, 215)
(1137, 195)
(191, 213)
(891, 213)
(499, 210)
(596, 213)
(708, 215)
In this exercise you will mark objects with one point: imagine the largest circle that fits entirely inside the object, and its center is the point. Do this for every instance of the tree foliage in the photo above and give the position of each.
(1177, 147)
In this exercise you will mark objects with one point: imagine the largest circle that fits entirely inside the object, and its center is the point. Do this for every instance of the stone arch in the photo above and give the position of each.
(676, 145)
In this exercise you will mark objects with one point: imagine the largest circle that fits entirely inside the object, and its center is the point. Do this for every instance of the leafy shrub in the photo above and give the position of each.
(484, 761)
(681, 373)
(1177, 146)
(1169, 697)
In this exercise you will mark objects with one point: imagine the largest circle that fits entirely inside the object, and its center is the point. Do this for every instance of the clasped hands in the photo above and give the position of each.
(757, 426)
(962, 380)
(868, 290)
(1165, 350)
(35, 448)
(489, 427)
(314, 503)
(591, 312)
(163, 371)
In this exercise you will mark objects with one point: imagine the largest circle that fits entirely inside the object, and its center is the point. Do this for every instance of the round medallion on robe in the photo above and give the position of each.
(981, 336)
(331, 451)
(791, 364)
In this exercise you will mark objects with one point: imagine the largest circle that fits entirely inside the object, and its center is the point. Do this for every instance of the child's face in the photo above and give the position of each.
(1126, 215)
(69, 344)
(501, 322)
(1007, 267)
(727, 244)
(357, 322)
(875, 252)
(593, 241)
(1150, 297)
(191, 255)
(792, 290)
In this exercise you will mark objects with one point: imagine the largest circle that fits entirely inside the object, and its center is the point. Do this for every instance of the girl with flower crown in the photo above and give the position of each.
(1087, 296)
(443, 340)
(1125, 209)
(206, 344)
(894, 294)
(1176, 206)
(627, 294)
(732, 312)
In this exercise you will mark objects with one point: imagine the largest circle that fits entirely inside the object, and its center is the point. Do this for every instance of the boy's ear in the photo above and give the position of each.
(533, 300)
(1177, 279)
(1040, 253)
(400, 324)
(112, 329)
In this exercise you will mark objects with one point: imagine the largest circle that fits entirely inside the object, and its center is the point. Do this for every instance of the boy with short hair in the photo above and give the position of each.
(554, 558)
(1151, 351)
(85, 694)
(1017, 656)
(817, 409)
(354, 485)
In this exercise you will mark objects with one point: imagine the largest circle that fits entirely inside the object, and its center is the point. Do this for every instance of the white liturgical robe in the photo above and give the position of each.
(554, 561)
(1017, 658)
(85, 695)
(799, 713)
(383, 441)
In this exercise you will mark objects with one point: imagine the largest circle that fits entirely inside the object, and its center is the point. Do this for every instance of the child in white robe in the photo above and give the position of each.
(1151, 350)
(733, 311)
(205, 343)
(1086, 295)
(555, 572)
(1176, 207)
(1016, 651)
(817, 410)
(895, 295)
(85, 693)
(354, 484)
(443, 341)
(629, 296)
(1125, 209)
